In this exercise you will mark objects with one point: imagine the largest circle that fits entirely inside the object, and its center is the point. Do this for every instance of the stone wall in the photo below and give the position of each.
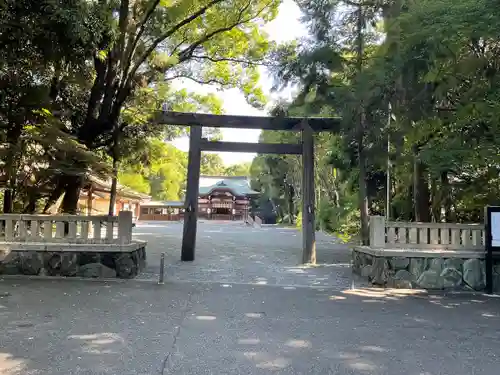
(124, 265)
(431, 272)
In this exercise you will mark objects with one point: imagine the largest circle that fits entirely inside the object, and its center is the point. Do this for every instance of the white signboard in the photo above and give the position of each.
(495, 229)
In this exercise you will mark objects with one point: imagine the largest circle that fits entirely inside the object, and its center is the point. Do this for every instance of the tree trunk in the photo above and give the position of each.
(436, 201)
(13, 136)
(363, 189)
(363, 197)
(114, 182)
(55, 195)
(446, 198)
(72, 189)
(7, 201)
(32, 199)
(421, 194)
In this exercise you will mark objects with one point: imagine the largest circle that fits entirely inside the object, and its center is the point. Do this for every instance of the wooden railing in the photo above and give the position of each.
(444, 236)
(67, 228)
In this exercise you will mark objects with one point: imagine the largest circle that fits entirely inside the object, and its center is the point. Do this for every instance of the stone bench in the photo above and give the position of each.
(70, 245)
(424, 255)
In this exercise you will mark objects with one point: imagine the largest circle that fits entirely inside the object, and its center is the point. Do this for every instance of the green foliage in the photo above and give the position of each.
(160, 169)
(104, 69)
(135, 181)
(238, 170)
(437, 67)
(298, 222)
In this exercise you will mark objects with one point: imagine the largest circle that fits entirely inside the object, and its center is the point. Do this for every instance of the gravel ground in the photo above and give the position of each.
(234, 253)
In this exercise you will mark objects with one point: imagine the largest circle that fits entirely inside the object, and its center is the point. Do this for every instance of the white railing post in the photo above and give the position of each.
(125, 227)
(9, 230)
(377, 231)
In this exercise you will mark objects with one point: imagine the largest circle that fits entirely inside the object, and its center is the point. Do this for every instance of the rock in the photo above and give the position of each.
(69, 264)
(474, 274)
(367, 259)
(380, 271)
(496, 269)
(52, 263)
(359, 260)
(135, 257)
(88, 258)
(456, 263)
(496, 283)
(452, 278)
(399, 263)
(436, 264)
(31, 263)
(96, 270)
(142, 258)
(108, 259)
(126, 268)
(403, 279)
(417, 266)
(4, 255)
(430, 280)
(366, 271)
(11, 265)
(63, 264)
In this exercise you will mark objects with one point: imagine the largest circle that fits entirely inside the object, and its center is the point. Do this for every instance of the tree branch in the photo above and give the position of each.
(169, 33)
(201, 82)
(131, 49)
(177, 46)
(188, 52)
(241, 61)
(123, 23)
(361, 4)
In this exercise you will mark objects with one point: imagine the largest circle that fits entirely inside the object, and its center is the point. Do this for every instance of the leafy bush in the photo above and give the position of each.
(343, 221)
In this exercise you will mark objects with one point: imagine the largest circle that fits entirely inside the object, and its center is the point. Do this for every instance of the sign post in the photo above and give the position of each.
(492, 242)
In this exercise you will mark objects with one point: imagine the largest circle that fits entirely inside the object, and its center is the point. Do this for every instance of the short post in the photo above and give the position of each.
(162, 269)
(377, 231)
(125, 227)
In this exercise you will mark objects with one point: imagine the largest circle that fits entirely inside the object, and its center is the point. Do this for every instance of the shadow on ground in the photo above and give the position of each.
(130, 328)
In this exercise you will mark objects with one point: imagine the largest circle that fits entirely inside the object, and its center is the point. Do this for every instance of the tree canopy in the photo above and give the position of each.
(415, 82)
(82, 80)
(416, 85)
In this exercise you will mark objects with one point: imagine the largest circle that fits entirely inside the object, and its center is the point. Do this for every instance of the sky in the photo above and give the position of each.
(284, 28)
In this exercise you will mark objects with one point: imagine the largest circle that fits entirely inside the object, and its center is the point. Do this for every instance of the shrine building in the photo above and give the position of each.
(219, 198)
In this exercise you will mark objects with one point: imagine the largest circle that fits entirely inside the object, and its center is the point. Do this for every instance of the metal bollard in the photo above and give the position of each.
(162, 269)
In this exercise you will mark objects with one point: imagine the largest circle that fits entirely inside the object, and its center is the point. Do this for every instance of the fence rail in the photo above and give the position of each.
(445, 236)
(66, 228)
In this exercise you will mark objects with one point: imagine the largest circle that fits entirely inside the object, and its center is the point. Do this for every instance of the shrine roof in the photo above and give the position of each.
(238, 185)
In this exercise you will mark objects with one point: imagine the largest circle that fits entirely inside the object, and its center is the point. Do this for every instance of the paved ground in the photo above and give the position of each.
(137, 327)
(232, 252)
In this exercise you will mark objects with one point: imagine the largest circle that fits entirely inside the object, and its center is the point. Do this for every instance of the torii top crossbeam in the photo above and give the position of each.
(317, 124)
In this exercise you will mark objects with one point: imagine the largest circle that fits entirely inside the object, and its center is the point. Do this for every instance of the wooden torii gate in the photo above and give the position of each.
(196, 121)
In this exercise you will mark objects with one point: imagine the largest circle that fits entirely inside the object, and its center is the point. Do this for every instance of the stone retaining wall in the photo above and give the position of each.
(125, 264)
(428, 271)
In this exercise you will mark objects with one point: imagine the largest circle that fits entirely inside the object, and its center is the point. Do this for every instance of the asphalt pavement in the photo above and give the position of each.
(243, 307)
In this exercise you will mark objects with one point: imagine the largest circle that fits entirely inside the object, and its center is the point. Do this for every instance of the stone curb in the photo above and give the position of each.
(76, 278)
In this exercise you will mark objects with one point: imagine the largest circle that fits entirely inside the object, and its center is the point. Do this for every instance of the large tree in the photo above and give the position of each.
(150, 41)
(44, 77)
